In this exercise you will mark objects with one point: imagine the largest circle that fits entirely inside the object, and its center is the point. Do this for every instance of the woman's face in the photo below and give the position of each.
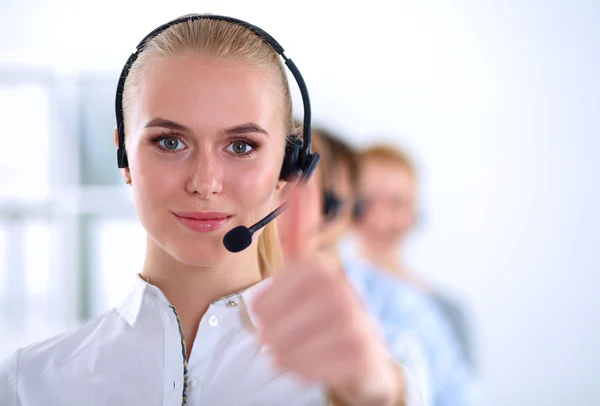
(389, 192)
(205, 143)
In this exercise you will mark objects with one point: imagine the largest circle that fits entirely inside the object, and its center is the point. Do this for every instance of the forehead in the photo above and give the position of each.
(197, 90)
(385, 176)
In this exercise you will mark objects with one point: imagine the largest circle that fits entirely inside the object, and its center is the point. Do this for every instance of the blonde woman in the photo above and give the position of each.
(388, 187)
(393, 308)
(204, 139)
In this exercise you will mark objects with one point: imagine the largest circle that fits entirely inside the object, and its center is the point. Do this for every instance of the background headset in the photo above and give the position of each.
(298, 163)
(332, 202)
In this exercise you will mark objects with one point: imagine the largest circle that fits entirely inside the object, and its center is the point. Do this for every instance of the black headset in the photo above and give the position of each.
(298, 163)
(332, 204)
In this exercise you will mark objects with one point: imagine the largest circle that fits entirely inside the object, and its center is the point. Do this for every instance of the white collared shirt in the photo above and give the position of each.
(134, 355)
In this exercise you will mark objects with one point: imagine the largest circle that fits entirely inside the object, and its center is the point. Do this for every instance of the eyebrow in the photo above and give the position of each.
(246, 128)
(236, 130)
(164, 123)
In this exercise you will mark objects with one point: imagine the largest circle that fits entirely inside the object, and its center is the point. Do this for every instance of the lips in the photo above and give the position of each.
(202, 222)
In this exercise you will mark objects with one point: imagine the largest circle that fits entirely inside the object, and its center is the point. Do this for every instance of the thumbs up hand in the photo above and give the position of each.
(314, 325)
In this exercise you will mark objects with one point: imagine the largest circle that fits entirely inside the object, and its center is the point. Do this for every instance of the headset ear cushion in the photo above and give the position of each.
(331, 205)
(290, 169)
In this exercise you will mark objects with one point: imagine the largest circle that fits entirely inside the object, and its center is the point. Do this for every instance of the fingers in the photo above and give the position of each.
(317, 278)
(291, 315)
(324, 358)
(314, 325)
(301, 221)
(295, 234)
(306, 311)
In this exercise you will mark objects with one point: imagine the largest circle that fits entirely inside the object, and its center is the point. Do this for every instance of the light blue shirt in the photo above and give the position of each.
(401, 310)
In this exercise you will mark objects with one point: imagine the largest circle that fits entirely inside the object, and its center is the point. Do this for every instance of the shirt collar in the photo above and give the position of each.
(131, 306)
(252, 292)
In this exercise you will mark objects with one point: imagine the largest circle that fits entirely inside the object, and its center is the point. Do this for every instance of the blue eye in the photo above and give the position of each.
(171, 143)
(239, 147)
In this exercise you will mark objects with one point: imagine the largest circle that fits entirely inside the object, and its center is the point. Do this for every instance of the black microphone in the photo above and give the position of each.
(239, 238)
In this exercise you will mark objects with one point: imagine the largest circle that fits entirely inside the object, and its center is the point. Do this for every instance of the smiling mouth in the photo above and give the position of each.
(202, 222)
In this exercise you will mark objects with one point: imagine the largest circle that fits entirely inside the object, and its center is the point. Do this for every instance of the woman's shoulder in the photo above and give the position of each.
(58, 349)
(61, 349)
(376, 278)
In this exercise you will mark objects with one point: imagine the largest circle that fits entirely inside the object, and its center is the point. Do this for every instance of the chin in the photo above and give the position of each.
(187, 247)
(379, 243)
(198, 250)
(198, 255)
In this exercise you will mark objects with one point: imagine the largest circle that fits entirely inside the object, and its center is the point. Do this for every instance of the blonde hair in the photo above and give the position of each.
(219, 39)
(390, 155)
(269, 250)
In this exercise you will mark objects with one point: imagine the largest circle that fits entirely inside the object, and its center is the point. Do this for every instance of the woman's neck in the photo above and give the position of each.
(390, 260)
(191, 289)
(387, 258)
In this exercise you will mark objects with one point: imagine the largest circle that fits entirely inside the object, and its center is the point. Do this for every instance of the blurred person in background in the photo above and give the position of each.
(401, 310)
(388, 193)
(205, 138)
(325, 225)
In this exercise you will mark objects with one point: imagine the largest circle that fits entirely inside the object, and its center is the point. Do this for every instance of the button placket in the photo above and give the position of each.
(213, 321)
(208, 336)
(173, 385)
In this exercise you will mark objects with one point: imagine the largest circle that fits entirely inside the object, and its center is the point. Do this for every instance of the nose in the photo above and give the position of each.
(378, 218)
(207, 175)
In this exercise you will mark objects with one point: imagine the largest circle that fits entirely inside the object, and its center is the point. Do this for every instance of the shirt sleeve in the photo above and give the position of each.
(8, 381)
(448, 373)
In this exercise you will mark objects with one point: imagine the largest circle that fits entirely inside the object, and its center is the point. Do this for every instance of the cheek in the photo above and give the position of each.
(252, 186)
(150, 173)
(372, 216)
(251, 179)
(380, 220)
(401, 220)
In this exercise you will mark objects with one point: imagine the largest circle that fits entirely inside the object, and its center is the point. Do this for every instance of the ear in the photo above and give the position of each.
(280, 184)
(282, 189)
(116, 138)
(125, 171)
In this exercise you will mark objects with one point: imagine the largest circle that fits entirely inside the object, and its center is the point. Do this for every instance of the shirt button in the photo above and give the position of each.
(194, 383)
(213, 321)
